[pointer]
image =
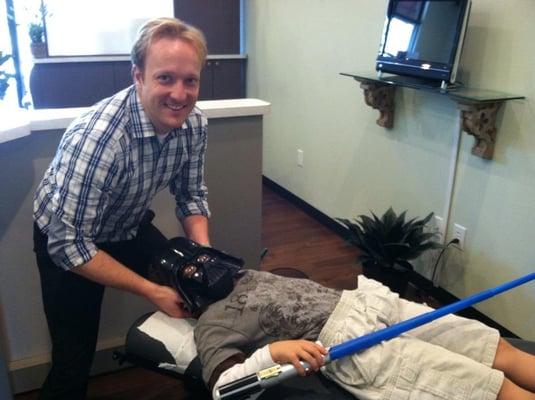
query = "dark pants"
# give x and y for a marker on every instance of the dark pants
(72, 308)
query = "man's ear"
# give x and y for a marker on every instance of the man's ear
(137, 75)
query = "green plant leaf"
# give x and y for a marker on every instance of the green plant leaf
(389, 217)
(367, 223)
(376, 218)
(405, 265)
(401, 217)
(428, 218)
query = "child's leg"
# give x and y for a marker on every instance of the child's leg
(511, 391)
(518, 366)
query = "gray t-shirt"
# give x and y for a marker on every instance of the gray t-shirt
(262, 308)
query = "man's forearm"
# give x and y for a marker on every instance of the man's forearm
(107, 271)
(196, 228)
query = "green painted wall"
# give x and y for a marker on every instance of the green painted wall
(296, 50)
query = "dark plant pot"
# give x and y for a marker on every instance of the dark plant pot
(395, 280)
(38, 50)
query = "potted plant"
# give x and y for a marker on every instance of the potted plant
(36, 30)
(388, 245)
(4, 76)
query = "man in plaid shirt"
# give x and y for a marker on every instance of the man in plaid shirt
(92, 220)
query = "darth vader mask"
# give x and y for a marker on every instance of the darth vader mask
(202, 275)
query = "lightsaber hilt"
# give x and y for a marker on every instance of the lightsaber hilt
(245, 387)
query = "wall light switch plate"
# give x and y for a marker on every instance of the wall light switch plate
(300, 157)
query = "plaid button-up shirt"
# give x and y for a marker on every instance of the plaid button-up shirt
(108, 167)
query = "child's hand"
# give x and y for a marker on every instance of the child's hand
(293, 351)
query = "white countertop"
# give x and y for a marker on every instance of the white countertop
(19, 123)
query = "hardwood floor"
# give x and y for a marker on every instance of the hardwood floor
(292, 239)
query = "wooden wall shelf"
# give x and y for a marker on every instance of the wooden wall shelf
(478, 108)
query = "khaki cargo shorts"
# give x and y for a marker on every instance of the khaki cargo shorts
(449, 358)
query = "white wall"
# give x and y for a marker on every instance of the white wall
(296, 50)
(496, 199)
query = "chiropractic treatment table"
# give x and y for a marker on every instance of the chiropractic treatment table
(166, 345)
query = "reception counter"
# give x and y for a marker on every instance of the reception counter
(17, 123)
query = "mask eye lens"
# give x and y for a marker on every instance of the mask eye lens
(203, 258)
(192, 273)
(189, 271)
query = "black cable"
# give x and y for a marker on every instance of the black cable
(452, 241)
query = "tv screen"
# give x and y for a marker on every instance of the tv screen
(423, 38)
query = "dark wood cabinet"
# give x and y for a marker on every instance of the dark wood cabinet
(77, 84)
(122, 74)
(82, 84)
(223, 79)
(220, 21)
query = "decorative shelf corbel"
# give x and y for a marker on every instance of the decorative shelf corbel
(380, 97)
(479, 120)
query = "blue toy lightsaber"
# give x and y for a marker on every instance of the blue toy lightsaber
(245, 387)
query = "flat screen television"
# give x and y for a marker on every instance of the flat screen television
(423, 39)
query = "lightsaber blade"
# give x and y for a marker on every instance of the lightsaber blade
(245, 387)
(363, 342)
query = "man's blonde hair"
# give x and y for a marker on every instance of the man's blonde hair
(174, 28)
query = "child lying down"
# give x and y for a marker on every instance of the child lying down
(249, 320)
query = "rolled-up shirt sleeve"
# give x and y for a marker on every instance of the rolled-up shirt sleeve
(189, 188)
(84, 169)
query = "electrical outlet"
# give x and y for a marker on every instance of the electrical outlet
(439, 224)
(300, 157)
(459, 233)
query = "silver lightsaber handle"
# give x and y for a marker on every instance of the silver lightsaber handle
(246, 387)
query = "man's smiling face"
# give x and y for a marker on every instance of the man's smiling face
(168, 86)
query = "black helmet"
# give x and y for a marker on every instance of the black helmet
(202, 275)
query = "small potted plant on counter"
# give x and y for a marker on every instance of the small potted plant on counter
(36, 30)
(388, 245)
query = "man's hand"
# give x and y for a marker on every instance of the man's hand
(104, 269)
(293, 351)
(168, 301)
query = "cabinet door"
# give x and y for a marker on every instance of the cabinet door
(122, 74)
(228, 79)
(57, 85)
(218, 19)
(207, 78)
